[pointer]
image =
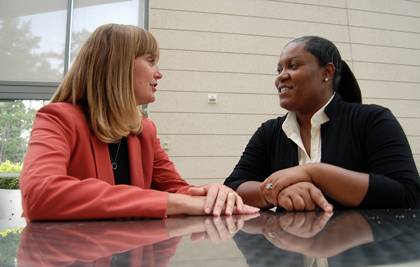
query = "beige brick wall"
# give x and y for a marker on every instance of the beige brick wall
(230, 48)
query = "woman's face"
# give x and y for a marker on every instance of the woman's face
(301, 80)
(146, 73)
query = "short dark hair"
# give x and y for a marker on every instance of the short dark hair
(326, 52)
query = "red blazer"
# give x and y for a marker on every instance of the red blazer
(67, 173)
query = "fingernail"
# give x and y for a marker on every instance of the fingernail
(207, 210)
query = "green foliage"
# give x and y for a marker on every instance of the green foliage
(9, 242)
(13, 171)
(9, 183)
(9, 166)
(15, 124)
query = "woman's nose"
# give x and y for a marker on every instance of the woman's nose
(158, 74)
(281, 77)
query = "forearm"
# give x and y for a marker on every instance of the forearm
(251, 195)
(345, 186)
(180, 204)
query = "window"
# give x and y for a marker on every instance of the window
(39, 39)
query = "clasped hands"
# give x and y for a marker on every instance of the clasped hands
(294, 190)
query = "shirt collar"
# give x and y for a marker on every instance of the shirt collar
(291, 127)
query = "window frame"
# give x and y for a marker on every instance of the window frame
(31, 90)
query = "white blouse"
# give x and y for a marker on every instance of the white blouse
(291, 128)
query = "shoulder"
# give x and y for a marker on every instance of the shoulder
(148, 128)
(366, 112)
(270, 129)
(63, 110)
(272, 125)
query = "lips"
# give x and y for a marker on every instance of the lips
(283, 88)
(154, 85)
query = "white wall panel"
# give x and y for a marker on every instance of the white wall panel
(253, 8)
(205, 167)
(330, 3)
(386, 54)
(411, 126)
(384, 38)
(390, 89)
(226, 103)
(225, 42)
(166, 19)
(402, 7)
(384, 21)
(400, 108)
(387, 72)
(205, 145)
(201, 81)
(414, 144)
(197, 123)
(221, 62)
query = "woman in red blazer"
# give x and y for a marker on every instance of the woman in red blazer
(92, 155)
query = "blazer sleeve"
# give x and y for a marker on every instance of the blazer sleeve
(165, 175)
(393, 176)
(254, 162)
(49, 193)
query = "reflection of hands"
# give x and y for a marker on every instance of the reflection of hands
(300, 224)
(301, 232)
(302, 196)
(221, 199)
(216, 229)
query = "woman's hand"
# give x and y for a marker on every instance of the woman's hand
(221, 199)
(302, 196)
(281, 179)
(181, 204)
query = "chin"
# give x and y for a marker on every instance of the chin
(285, 104)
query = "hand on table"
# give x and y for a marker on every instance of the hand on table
(292, 189)
(221, 200)
(302, 196)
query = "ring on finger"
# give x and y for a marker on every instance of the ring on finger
(269, 186)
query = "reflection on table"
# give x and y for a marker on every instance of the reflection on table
(118, 243)
(348, 238)
(345, 238)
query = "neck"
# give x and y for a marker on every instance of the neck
(304, 117)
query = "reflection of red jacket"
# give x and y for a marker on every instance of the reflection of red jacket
(146, 243)
(67, 172)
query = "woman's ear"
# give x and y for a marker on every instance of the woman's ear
(329, 72)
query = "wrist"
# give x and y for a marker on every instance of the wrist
(311, 170)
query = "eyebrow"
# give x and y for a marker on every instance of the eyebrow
(289, 59)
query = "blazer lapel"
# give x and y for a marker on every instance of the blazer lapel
(134, 154)
(102, 160)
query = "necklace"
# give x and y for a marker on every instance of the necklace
(114, 161)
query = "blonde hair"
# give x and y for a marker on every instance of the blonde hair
(100, 80)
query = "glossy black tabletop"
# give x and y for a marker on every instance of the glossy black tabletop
(345, 238)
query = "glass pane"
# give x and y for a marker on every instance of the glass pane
(16, 119)
(32, 35)
(88, 15)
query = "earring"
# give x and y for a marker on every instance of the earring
(326, 79)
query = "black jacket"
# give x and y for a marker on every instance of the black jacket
(363, 138)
